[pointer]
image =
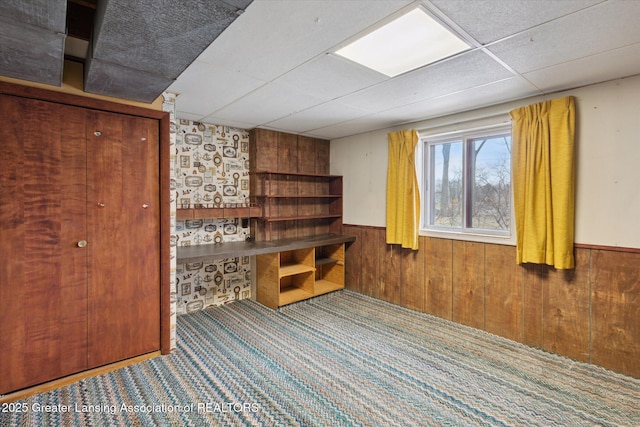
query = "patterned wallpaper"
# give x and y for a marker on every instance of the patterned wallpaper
(210, 168)
(168, 105)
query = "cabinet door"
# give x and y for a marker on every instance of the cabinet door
(43, 276)
(124, 236)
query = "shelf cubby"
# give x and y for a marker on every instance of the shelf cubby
(290, 276)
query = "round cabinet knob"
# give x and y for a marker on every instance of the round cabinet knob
(145, 206)
(82, 243)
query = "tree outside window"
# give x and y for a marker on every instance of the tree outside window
(469, 182)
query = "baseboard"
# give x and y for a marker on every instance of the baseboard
(61, 382)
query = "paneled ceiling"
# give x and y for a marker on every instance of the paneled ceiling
(274, 67)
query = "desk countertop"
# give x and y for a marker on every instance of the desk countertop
(198, 253)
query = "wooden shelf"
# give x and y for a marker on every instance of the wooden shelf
(292, 294)
(297, 198)
(291, 276)
(299, 218)
(216, 213)
(293, 269)
(301, 196)
(300, 174)
(323, 261)
(325, 286)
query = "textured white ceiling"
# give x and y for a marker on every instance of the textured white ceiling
(274, 67)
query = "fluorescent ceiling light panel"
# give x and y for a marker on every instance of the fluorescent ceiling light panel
(412, 41)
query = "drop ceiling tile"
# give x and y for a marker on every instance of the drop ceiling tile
(266, 104)
(204, 88)
(183, 115)
(329, 77)
(491, 20)
(459, 73)
(600, 28)
(480, 96)
(213, 120)
(258, 45)
(320, 116)
(353, 127)
(589, 70)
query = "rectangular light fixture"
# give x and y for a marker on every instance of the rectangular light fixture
(411, 41)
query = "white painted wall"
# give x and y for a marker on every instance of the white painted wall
(607, 157)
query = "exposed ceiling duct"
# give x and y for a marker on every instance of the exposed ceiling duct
(32, 35)
(139, 48)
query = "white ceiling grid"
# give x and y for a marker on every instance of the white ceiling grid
(274, 66)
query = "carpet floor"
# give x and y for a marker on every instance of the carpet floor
(342, 359)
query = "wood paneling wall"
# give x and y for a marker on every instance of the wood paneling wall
(590, 314)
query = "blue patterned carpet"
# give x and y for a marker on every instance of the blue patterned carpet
(342, 359)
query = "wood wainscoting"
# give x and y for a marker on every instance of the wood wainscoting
(589, 314)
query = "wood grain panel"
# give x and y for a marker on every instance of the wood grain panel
(142, 208)
(323, 165)
(555, 310)
(439, 276)
(412, 277)
(372, 241)
(263, 149)
(390, 273)
(263, 152)
(43, 280)
(566, 309)
(535, 279)
(287, 152)
(306, 155)
(468, 283)
(615, 311)
(307, 206)
(287, 162)
(13, 330)
(323, 158)
(124, 294)
(503, 292)
(268, 289)
(353, 260)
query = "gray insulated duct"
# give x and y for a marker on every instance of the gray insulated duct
(32, 35)
(139, 48)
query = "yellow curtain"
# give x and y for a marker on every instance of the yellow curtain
(543, 182)
(403, 198)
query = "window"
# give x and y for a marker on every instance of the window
(468, 182)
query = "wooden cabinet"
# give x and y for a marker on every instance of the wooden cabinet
(123, 214)
(80, 230)
(290, 276)
(43, 274)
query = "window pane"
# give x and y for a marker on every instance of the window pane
(446, 178)
(490, 182)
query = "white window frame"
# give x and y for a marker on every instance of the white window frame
(426, 196)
